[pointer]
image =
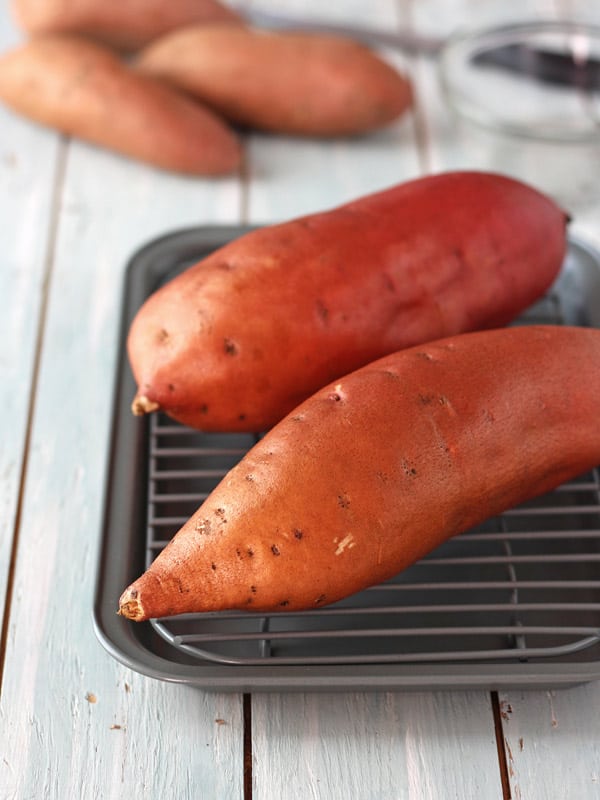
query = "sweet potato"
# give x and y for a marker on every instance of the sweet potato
(125, 24)
(376, 470)
(283, 82)
(239, 339)
(84, 90)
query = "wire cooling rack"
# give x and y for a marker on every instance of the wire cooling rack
(526, 585)
(514, 602)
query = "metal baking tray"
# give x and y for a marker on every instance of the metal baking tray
(512, 603)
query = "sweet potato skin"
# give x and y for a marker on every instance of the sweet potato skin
(83, 90)
(238, 340)
(292, 83)
(126, 25)
(376, 470)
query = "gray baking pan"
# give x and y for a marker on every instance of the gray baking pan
(513, 603)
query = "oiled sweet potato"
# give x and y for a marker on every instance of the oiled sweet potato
(238, 340)
(376, 470)
(84, 90)
(283, 82)
(126, 24)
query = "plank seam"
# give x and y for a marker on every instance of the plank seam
(247, 704)
(49, 259)
(421, 126)
(244, 183)
(499, 732)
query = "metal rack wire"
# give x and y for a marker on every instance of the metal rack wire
(523, 587)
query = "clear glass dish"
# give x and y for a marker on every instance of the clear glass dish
(537, 80)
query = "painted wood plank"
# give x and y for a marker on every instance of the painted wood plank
(74, 722)
(376, 746)
(552, 741)
(28, 172)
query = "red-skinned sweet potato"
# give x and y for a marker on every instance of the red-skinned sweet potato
(125, 24)
(238, 340)
(284, 82)
(84, 90)
(376, 470)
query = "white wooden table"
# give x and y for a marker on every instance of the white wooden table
(74, 723)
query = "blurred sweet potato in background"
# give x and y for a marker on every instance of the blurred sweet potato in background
(85, 90)
(283, 82)
(126, 24)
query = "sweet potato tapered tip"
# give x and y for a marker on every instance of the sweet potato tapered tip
(130, 607)
(151, 596)
(142, 405)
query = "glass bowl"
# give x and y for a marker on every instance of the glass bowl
(536, 80)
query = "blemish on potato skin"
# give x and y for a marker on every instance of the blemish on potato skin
(275, 550)
(444, 401)
(298, 534)
(346, 543)
(230, 347)
(488, 416)
(458, 254)
(203, 527)
(320, 599)
(284, 603)
(336, 395)
(408, 468)
(162, 336)
(322, 311)
(343, 501)
(389, 283)
(213, 566)
(426, 356)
